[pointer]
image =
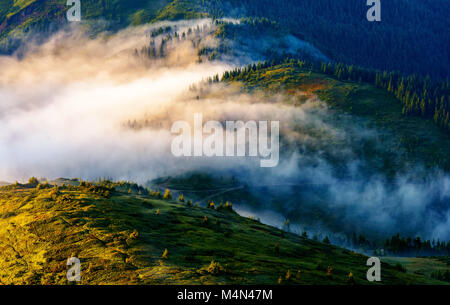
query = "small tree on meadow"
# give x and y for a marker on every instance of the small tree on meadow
(288, 275)
(33, 181)
(215, 267)
(229, 206)
(351, 279)
(167, 195)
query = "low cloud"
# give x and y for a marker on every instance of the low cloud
(82, 107)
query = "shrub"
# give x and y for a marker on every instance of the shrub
(54, 193)
(134, 234)
(215, 268)
(167, 195)
(329, 271)
(33, 181)
(189, 203)
(351, 279)
(229, 206)
(165, 254)
(288, 275)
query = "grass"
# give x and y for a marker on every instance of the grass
(121, 239)
(181, 9)
(420, 265)
(22, 3)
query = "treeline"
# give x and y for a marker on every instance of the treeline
(397, 245)
(249, 26)
(170, 38)
(393, 246)
(419, 96)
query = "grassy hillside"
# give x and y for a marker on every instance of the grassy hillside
(19, 18)
(405, 140)
(383, 141)
(435, 267)
(120, 237)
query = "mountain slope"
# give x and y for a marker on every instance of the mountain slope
(376, 107)
(352, 139)
(120, 237)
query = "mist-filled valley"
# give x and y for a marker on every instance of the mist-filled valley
(223, 142)
(77, 107)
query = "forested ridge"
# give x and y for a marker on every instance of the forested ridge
(413, 36)
(420, 96)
